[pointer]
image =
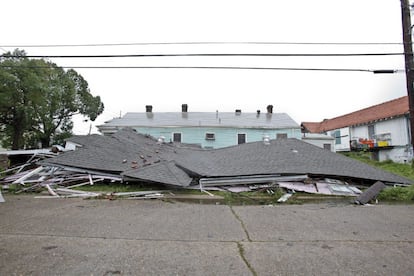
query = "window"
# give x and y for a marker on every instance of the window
(241, 138)
(371, 131)
(281, 136)
(177, 137)
(210, 136)
(327, 146)
(337, 135)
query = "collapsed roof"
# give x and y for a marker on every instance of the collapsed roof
(142, 158)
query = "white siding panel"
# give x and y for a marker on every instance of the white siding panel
(344, 139)
(359, 132)
(397, 127)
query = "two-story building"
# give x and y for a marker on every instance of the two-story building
(207, 129)
(383, 129)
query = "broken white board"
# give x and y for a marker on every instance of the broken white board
(298, 186)
(284, 198)
(1, 198)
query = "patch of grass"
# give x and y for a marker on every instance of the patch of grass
(261, 197)
(405, 170)
(118, 187)
(401, 194)
(397, 194)
(12, 188)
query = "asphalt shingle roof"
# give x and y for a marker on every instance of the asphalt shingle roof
(141, 157)
(164, 172)
(206, 119)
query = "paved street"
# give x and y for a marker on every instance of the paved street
(136, 237)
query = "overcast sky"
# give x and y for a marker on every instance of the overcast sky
(304, 95)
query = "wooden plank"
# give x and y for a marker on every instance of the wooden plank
(1, 198)
(284, 198)
(370, 193)
(26, 176)
(50, 190)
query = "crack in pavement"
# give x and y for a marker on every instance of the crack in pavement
(240, 246)
(241, 253)
(241, 222)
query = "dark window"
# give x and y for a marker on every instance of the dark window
(327, 146)
(371, 131)
(177, 137)
(281, 136)
(241, 138)
(210, 136)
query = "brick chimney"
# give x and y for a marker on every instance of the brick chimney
(184, 108)
(269, 108)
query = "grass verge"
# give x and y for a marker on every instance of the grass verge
(399, 194)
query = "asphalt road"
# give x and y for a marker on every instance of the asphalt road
(136, 237)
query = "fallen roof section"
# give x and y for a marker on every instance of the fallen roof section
(138, 157)
(165, 172)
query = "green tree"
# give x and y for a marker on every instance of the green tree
(38, 100)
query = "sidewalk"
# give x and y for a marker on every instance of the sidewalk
(140, 237)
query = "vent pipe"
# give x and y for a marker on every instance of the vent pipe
(266, 140)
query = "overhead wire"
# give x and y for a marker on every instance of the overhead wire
(217, 67)
(211, 55)
(197, 43)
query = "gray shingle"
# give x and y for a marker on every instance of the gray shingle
(282, 156)
(206, 119)
(142, 157)
(163, 172)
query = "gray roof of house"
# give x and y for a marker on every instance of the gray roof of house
(165, 172)
(316, 136)
(140, 157)
(204, 119)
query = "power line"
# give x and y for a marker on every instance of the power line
(196, 43)
(210, 55)
(216, 68)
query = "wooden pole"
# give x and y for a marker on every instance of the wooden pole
(409, 68)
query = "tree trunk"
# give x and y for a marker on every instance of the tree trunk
(17, 137)
(45, 141)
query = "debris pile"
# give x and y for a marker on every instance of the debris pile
(127, 156)
(62, 183)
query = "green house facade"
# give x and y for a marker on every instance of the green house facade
(207, 129)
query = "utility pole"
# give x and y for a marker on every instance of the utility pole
(409, 68)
